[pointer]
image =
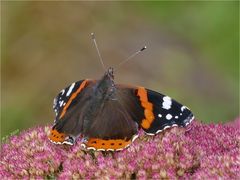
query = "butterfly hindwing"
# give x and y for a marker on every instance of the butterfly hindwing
(113, 119)
(114, 125)
(161, 111)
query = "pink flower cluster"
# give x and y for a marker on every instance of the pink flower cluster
(199, 152)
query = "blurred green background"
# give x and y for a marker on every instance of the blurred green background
(192, 55)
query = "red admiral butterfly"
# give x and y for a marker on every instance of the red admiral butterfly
(109, 115)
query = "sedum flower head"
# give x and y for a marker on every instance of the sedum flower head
(202, 151)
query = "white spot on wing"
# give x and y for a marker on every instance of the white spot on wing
(61, 103)
(70, 89)
(54, 102)
(176, 117)
(110, 150)
(55, 142)
(150, 134)
(168, 116)
(119, 149)
(62, 91)
(166, 98)
(159, 131)
(182, 108)
(167, 102)
(92, 148)
(159, 115)
(134, 138)
(100, 149)
(127, 146)
(67, 142)
(166, 127)
(191, 119)
(83, 145)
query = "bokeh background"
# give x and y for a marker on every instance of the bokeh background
(192, 55)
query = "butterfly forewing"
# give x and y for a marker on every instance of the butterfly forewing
(162, 112)
(65, 106)
(64, 96)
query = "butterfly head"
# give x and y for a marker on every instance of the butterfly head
(106, 85)
(110, 74)
(108, 78)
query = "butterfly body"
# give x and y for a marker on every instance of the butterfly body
(109, 115)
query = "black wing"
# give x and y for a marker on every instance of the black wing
(161, 111)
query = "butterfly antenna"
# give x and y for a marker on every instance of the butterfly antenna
(130, 57)
(99, 55)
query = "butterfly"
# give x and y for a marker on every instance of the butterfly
(108, 115)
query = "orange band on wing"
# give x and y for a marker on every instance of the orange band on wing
(74, 95)
(56, 136)
(148, 108)
(112, 144)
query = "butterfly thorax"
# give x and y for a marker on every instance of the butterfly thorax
(106, 88)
